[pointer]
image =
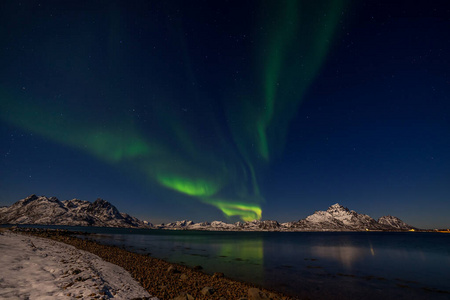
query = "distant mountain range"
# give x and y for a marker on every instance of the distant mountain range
(335, 218)
(50, 211)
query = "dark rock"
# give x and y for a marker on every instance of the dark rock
(207, 291)
(257, 294)
(184, 296)
(218, 275)
(183, 277)
(273, 296)
(172, 270)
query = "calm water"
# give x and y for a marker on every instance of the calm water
(365, 265)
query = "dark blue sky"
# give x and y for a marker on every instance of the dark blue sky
(202, 110)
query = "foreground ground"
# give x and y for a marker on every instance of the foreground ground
(38, 268)
(45, 268)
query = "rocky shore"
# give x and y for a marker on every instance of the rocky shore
(163, 279)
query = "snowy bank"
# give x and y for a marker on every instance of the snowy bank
(38, 268)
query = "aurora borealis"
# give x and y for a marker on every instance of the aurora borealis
(232, 110)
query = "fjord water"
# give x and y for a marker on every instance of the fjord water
(307, 265)
(316, 265)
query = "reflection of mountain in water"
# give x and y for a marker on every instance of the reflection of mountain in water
(314, 265)
(345, 255)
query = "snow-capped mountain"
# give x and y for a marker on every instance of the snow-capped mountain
(50, 211)
(335, 218)
(75, 212)
(338, 217)
(393, 222)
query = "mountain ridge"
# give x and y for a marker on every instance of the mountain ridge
(51, 211)
(41, 210)
(335, 218)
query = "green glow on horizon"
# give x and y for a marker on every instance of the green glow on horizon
(280, 40)
(191, 187)
(118, 143)
(113, 147)
(247, 212)
(296, 47)
(199, 156)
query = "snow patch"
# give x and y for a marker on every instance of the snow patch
(37, 268)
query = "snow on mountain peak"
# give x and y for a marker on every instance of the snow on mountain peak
(337, 208)
(50, 211)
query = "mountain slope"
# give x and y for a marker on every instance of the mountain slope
(394, 222)
(50, 211)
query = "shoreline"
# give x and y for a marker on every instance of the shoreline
(160, 278)
(38, 268)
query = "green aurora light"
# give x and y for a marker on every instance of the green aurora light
(226, 171)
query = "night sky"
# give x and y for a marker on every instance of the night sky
(229, 110)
